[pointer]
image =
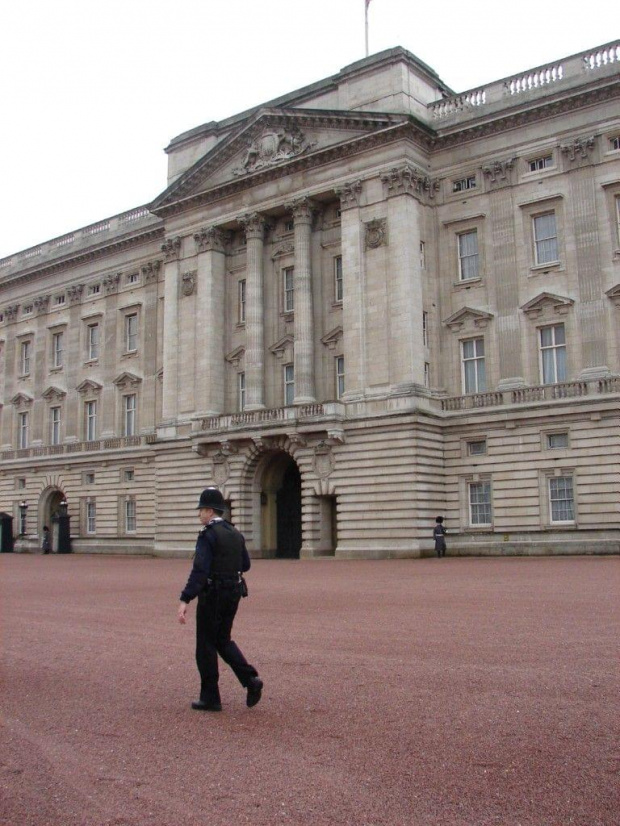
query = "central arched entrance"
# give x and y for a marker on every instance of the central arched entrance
(280, 498)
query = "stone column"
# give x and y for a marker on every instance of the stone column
(110, 425)
(210, 309)
(305, 392)
(148, 402)
(254, 226)
(170, 404)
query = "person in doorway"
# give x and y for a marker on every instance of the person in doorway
(216, 579)
(439, 535)
(46, 545)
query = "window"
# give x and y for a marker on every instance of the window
(23, 512)
(541, 163)
(614, 143)
(477, 448)
(132, 278)
(128, 474)
(617, 199)
(289, 226)
(425, 328)
(23, 423)
(545, 238)
(422, 255)
(561, 500)
(556, 441)
(130, 515)
(25, 353)
(131, 333)
(129, 415)
(91, 517)
(289, 384)
(241, 299)
(59, 300)
(464, 184)
(479, 503)
(89, 478)
(427, 374)
(241, 391)
(94, 289)
(339, 376)
(27, 310)
(288, 281)
(468, 255)
(57, 350)
(474, 375)
(338, 277)
(55, 425)
(92, 342)
(21, 483)
(90, 421)
(553, 354)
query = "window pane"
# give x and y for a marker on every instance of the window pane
(561, 498)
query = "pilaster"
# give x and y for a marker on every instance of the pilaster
(254, 225)
(171, 250)
(305, 391)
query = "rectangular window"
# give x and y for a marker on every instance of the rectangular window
(57, 349)
(561, 499)
(425, 328)
(129, 415)
(132, 278)
(427, 374)
(556, 441)
(59, 300)
(288, 285)
(130, 515)
(541, 163)
(553, 354)
(91, 517)
(473, 368)
(28, 308)
(422, 255)
(241, 391)
(614, 142)
(339, 376)
(241, 297)
(128, 475)
(25, 353)
(479, 503)
(89, 478)
(92, 342)
(545, 238)
(131, 333)
(289, 226)
(289, 384)
(618, 219)
(464, 184)
(338, 292)
(22, 521)
(90, 421)
(55, 425)
(477, 448)
(468, 255)
(23, 424)
(94, 289)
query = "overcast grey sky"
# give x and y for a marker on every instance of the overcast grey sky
(92, 92)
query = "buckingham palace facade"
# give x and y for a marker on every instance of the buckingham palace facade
(355, 307)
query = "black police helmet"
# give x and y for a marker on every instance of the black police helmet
(212, 498)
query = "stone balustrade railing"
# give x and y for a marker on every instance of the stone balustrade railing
(535, 81)
(253, 418)
(115, 443)
(529, 395)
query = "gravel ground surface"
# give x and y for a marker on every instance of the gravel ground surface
(452, 692)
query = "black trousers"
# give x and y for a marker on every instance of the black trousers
(217, 607)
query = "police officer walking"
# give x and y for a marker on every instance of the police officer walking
(216, 579)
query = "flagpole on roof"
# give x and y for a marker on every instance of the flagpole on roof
(366, 4)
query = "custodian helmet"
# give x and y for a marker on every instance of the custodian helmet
(212, 498)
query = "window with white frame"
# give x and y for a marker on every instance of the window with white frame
(614, 143)
(241, 391)
(473, 366)
(128, 474)
(617, 200)
(289, 384)
(92, 341)
(131, 332)
(544, 162)
(129, 415)
(477, 447)
(557, 441)
(561, 499)
(463, 184)
(552, 354)
(241, 300)
(132, 278)
(23, 426)
(25, 355)
(89, 478)
(91, 517)
(94, 289)
(130, 515)
(427, 374)
(90, 421)
(28, 309)
(425, 328)
(57, 349)
(288, 286)
(468, 255)
(480, 512)
(338, 291)
(339, 376)
(55, 425)
(422, 255)
(59, 300)
(545, 238)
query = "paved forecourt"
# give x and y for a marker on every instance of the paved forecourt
(452, 692)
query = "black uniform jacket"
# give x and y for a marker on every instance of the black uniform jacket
(206, 547)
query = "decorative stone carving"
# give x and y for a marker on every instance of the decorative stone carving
(188, 282)
(11, 312)
(467, 315)
(227, 448)
(254, 225)
(349, 194)
(221, 469)
(284, 249)
(297, 440)
(74, 293)
(579, 149)
(282, 346)
(21, 401)
(375, 233)
(614, 295)
(235, 356)
(499, 173)
(408, 179)
(53, 394)
(211, 239)
(323, 461)
(171, 248)
(536, 307)
(111, 282)
(41, 304)
(303, 210)
(150, 271)
(271, 147)
(89, 387)
(332, 338)
(127, 380)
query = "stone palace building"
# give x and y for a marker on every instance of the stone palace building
(353, 308)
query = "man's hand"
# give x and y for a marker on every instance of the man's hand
(182, 613)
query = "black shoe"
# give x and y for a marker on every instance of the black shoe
(255, 690)
(202, 705)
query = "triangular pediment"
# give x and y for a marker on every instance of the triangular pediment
(127, 379)
(21, 400)
(614, 294)
(89, 386)
(271, 140)
(281, 346)
(468, 315)
(332, 338)
(53, 394)
(235, 356)
(537, 305)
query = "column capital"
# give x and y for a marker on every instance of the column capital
(303, 209)
(210, 239)
(41, 303)
(408, 179)
(150, 271)
(349, 194)
(171, 248)
(254, 225)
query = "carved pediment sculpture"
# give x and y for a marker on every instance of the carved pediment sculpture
(558, 304)
(375, 233)
(188, 282)
(272, 147)
(468, 315)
